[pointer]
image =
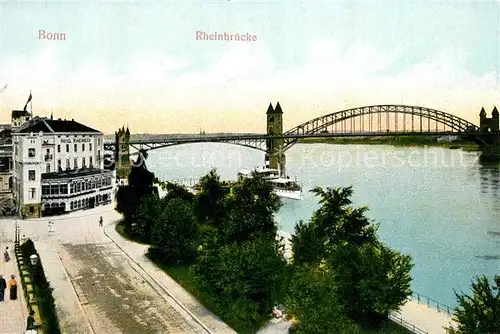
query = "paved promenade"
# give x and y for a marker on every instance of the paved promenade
(97, 287)
(137, 251)
(424, 317)
(13, 313)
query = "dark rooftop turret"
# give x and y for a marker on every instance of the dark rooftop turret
(270, 109)
(278, 110)
(494, 113)
(483, 112)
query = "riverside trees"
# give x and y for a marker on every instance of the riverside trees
(339, 253)
(479, 313)
(224, 243)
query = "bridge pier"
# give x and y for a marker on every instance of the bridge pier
(275, 156)
(122, 153)
(489, 135)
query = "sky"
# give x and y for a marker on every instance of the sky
(138, 63)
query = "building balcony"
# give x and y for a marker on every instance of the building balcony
(48, 157)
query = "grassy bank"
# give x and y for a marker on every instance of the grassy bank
(407, 141)
(184, 276)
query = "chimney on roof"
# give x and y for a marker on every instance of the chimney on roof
(72, 120)
(52, 116)
(58, 119)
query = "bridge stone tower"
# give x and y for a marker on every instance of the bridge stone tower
(275, 157)
(489, 134)
(122, 153)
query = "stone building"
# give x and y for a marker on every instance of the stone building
(58, 168)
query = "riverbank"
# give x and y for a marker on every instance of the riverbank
(407, 141)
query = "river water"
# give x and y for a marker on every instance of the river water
(439, 205)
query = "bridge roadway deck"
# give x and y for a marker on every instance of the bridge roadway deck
(161, 138)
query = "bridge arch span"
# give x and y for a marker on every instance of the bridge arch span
(321, 124)
(149, 147)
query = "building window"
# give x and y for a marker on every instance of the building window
(67, 164)
(58, 148)
(90, 161)
(90, 147)
(31, 152)
(47, 168)
(67, 147)
(63, 189)
(83, 162)
(54, 189)
(59, 165)
(45, 190)
(75, 163)
(83, 147)
(32, 193)
(76, 147)
(98, 141)
(31, 175)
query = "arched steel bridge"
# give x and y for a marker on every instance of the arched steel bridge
(369, 121)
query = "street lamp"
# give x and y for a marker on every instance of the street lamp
(34, 259)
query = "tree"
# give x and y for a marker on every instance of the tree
(338, 220)
(333, 223)
(370, 281)
(480, 312)
(178, 191)
(311, 300)
(308, 244)
(140, 185)
(174, 234)
(210, 201)
(144, 218)
(253, 271)
(251, 205)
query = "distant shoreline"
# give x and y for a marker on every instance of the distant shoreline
(396, 141)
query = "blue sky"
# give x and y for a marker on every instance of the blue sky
(139, 63)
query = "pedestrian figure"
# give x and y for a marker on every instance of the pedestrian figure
(100, 222)
(13, 287)
(6, 256)
(30, 321)
(50, 227)
(3, 286)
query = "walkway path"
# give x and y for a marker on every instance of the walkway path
(136, 252)
(13, 313)
(97, 287)
(424, 317)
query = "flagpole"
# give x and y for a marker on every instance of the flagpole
(31, 105)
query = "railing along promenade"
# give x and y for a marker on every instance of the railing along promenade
(440, 307)
(400, 321)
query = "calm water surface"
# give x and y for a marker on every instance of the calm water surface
(441, 206)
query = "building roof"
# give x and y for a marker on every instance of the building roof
(19, 113)
(55, 126)
(73, 173)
